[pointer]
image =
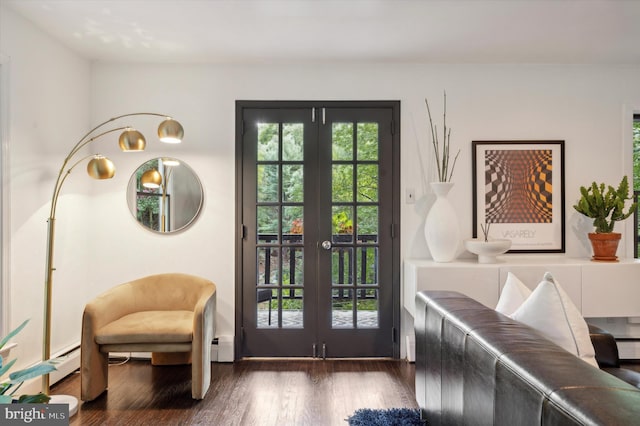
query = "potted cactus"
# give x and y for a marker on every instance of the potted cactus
(606, 206)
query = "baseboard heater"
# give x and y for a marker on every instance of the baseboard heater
(629, 349)
(67, 362)
(221, 351)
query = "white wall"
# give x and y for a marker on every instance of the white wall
(55, 96)
(49, 93)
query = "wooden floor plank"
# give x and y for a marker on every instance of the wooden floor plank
(246, 393)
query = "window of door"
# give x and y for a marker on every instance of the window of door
(318, 208)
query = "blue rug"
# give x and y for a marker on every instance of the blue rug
(391, 417)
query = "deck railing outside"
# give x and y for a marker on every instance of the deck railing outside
(344, 250)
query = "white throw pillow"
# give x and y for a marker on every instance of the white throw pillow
(550, 311)
(513, 294)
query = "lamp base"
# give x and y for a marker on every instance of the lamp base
(72, 401)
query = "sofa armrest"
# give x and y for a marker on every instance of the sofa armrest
(605, 347)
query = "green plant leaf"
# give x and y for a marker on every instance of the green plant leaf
(13, 333)
(7, 366)
(5, 399)
(34, 399)
(4, 387)
(31, 372)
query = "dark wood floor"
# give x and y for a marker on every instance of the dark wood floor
(255, 392)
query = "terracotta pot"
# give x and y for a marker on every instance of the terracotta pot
(605, 246)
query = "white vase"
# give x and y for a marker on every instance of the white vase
(441, 228)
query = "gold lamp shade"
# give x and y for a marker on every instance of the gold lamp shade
(151, 179)
(132, 140)
(170, 131)
(100, 167)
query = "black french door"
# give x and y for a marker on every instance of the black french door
(318, 213)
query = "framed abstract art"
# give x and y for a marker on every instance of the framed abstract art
(518, 190)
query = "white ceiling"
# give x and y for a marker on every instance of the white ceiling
(299, 31)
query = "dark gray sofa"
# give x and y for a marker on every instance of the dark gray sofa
(475, 366)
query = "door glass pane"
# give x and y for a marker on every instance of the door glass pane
(267, 183)
(342, 265)
(367, 308)
(367, 141)
(368, 183)
(342, 183)
(267, 307)
(342, 308)
(292, 308)
(292, 142)
(268, 224)
(342, 141)
(272, 298)
(293, 183)
(342, 224)
(268, 269)
(292, 224)
(367, 265)
(268, 141)
(367, 224)
(293, 266)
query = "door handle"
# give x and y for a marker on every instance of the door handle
(326, 244)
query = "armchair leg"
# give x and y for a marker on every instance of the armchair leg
(94, 374)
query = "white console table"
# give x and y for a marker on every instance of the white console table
(598, 289)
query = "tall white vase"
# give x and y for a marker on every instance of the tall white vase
(441, 228)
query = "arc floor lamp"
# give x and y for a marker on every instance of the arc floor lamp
(99, 167)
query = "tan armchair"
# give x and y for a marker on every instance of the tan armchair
(170, 315)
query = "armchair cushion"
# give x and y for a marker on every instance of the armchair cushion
(148, 327)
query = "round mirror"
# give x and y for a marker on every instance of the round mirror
(165, 195)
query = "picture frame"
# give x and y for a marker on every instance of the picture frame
(518, 189)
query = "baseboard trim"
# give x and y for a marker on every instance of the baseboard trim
(65, 365)
(68, 362)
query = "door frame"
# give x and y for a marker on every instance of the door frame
(395, 231)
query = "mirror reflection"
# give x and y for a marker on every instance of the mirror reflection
(165, 195)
